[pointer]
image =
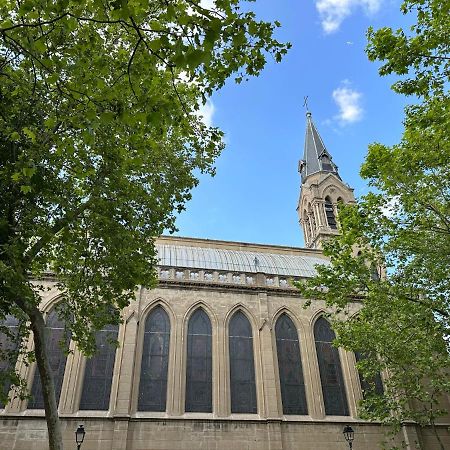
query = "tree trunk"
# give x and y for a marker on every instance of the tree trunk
(48, 387)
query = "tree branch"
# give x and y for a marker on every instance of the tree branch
(57, 227)
(37, 24)
(130, 62)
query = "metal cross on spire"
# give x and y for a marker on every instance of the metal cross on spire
(305, 103)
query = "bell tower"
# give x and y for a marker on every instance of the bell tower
(321, 190)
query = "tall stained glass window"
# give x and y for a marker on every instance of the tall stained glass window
(99, 371)
(9, 344)
(55, 334)
(242, 365)
(199, 364)
(155, 362)
(290, 367)
(331, 378)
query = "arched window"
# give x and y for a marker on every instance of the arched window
(9, 346)
(312, 220)
(290, 367)
(374, 272)
(331, 378)
(199, 364)
(99, 371)
(329, 211)
(306, 225)
(55, 335)
(242, 365)
(155, 362)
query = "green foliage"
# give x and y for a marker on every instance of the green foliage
(421, 53)
(100, 139)
(393, 253)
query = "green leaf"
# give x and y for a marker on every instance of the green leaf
(16, 176)
(71, 23)
(195, 58)
(91, 114)
(107, 117)
(29, 171)
(53, 78)
(40, 46)
(155, 45)
(50, 122)
(30, 134)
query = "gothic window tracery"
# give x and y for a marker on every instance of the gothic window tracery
(57, 341)
(290, 367)
(242, 365)
(332, 381)
(98, 372)
(199, 363)
(155, 362)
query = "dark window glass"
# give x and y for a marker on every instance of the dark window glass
(155, 362)
(242, 365)
(329, 211)
(306, 228)
(99, 371)
(199, 364)
(10, 345)
(290, 367)
(57, 341)
(374, 385)
(331, 378)
(375, 275)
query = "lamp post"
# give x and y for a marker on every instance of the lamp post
(349, 435)
(79, 436)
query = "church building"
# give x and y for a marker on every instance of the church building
(221, 355)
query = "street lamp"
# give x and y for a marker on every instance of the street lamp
(349, 435)
(79, 436)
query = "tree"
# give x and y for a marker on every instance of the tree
(100, 141)
(400, 274)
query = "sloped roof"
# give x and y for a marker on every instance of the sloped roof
(237, 260)
(314, 152)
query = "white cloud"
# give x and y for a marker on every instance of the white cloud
(206, 113)
(208, 4)
(333, 12)
(392, 207)
(349, 102)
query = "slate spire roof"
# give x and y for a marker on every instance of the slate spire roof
(316, 157)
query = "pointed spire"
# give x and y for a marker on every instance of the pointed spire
(316, 157)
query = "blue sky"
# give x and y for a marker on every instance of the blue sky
(254, 195)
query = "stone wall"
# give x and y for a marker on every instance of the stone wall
(171, 434)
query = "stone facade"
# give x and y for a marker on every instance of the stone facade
(262, 302)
